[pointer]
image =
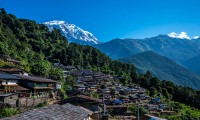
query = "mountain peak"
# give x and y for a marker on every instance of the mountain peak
(55, 22)
(72, 32)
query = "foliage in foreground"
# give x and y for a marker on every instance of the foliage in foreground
(7, 112)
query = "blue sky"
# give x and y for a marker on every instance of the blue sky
(109, 19)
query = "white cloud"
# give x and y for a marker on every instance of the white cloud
(182, 35)
(196, 37)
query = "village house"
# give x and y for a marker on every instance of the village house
(87, 72)
(12, 70)
(9, 60)
(152, 107)
(117, 84)
(92, 88)
(39, 86)
(92, 104)
(80, 87)
(9, 84)
(67, 70)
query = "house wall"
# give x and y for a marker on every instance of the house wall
(35, 84)
(11, 100)
(9, 82)
(28, 102)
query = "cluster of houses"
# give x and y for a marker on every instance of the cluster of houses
(155, 105)
(112, 98)
(112, 95)
(107, 87)
(16, 84)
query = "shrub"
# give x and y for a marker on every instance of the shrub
(7, 112)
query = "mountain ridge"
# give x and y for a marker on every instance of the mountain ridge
(174, 48)
(72, 32)
(163, 68)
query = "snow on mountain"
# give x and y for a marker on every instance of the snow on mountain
(73, 33)
(182, 35)
(196, 37)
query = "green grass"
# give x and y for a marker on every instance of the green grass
(184, 112)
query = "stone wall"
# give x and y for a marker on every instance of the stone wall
(29, 102)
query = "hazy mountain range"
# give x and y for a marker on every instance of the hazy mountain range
(177, 49)
(164, 68)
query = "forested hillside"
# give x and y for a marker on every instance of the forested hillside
(37, 48)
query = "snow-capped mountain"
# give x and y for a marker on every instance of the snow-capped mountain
(73, 33)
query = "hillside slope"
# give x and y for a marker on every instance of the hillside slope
(163, 68)
(193, 64)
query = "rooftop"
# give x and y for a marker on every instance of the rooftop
(8, 76)
(10, 70)
(34, 79)
(17, 87)
(81, 99)
(6, 94)
(54, 112)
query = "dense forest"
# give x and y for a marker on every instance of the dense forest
(38, 48)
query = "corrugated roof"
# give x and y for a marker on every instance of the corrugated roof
(34, 79)
(8, 76)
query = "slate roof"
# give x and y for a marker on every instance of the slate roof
(81, 99)
(54, 112)
(6, 76)
(34, 79)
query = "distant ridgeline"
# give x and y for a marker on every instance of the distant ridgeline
(37, 47)
(164, 68)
